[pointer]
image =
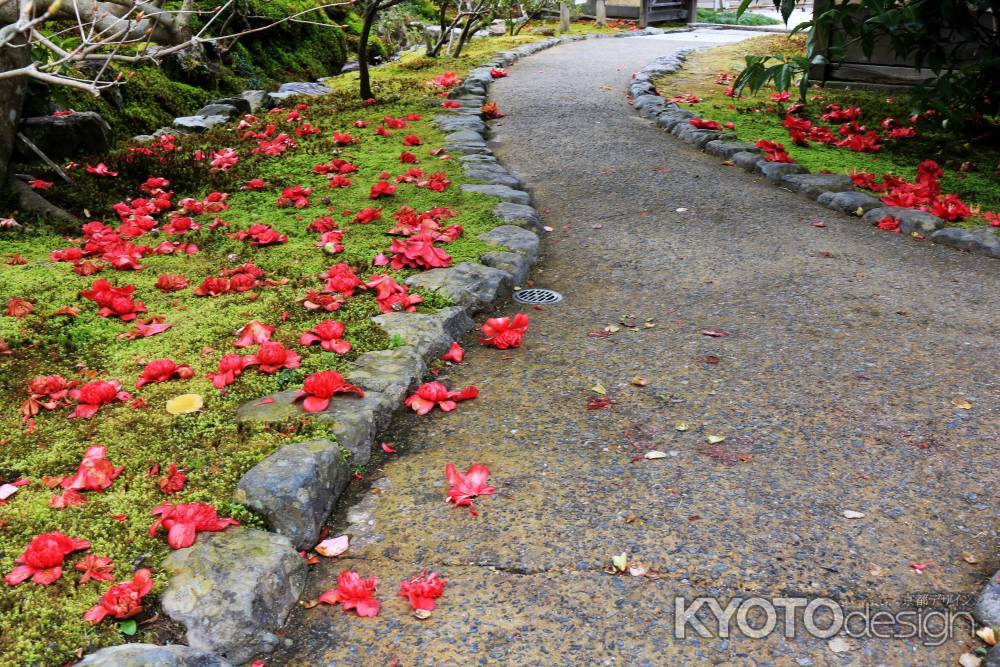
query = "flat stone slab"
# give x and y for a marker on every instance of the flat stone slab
(310, 88)
(747, 161)
(472, 286)
(502, 191)
(513, 263)
(813, 185)
(429, 334)
(389, 372)
(910, 220)
(495, 177)
(849, 202)
(353, 420)
(673, 117)
(521, 215)
(464, 137)
(727, 149)
(232, 589)
(216, 109)
(152, 655)
(461, 122)
(775, 171)
(199, 123)
(296, 488)
(981, 240)
(513, 238)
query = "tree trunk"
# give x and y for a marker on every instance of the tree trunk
(363, 75)
(563, 17)
(466, 35)
(14, 55)
(602, 12)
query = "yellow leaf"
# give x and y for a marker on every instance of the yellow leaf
(682, 426)
(961, 403)
(612, 328)
(620, 562)
(969, 558)
(655, 454)
(715, 439)
(859, 212)
(599, 389)
(185, 403)
(987, 634)
(639, 381)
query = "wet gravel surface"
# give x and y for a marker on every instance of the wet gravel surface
(838, 388)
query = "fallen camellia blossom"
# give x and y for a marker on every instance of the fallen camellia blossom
(171, 282)
(173, 480)
(464, 488)
(418, 252)
(391, 296)
(272, 357)
(319, 388)
(333, 546)
(253, 333)
(354, 592)
(43, 558)
(91, 396)
(47, 391)
(503, 332)
(432, 394)
(67, 498)
(382, 189)
(454, 354)
(230, 368)
(341, 279)
(184, 522)
(95, 567)
(421, 591)
(95, 472)
(329, 334)
(161, 370)
(122, 600)
(18, 308)
(114, 300)
(498, 73)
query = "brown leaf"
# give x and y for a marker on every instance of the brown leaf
(711, 359)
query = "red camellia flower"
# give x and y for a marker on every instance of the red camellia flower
(391, 296)
(46, 391)
(95, 473)
(367, 215)
(382, 189)
(260, 235)
(67, 498)
(212, 286)
(230, 368)
(340, 278)
(446, 80)
(161, 370)
(498, 73)
(171, 282)
(114, 300)
(407, 157)
(319, 388)
(464, 488)
(18, 308)
(454, 354)
(295, 196)
(95, 567)
(783, 96)
(173, 480)
(122, 600)
(889, 224)
(343, 139)
(329, 334)
(354, 592)
(503, 333)
(418, 252)
(184, 522)
(91, 396)
(432, 394)
(421, 591)
(101, 170)
(255, 184)
(272, 357)
(951, 208)
(253, 333)
(43, 559)
(412, 140)
(314, 300)
(774, 151)
(449, 104)
(704, 124)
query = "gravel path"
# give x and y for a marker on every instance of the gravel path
(848, 350)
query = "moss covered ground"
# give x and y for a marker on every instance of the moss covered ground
(43, 624)
(970, 166)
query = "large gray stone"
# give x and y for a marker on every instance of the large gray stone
(910, 220)
(243, 104)
(231, 590)
(199, 123)
(295, 489)
(673, 117)
(258, 99)
(151, 655)
(462, 122)
(695, 136)
(59, 137)
(649, 105)
(495, 176)
(308, 88)
(981, 240)
(813, 185)
(993, 657)
(747, 161)
(215, 109)
(430, 334)
(987, 609)
(389, 372)
(519, 214)
(502, 191)
(353, 420)
(513, 238)
(775, 171)
(469, 149)
(727, 149)
(848, 202)
(513, 263)
(477, 161)
(464, 137)
(472, 286)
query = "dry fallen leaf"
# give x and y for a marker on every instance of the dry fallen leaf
(961, 404)
(612, 328)
(839, 645)
(970, 660)
(333, 546)
(988, 635)
(185, 403)
(639, 381)
(422, 614)
(851, 514)
(969, 558)
(308, 604)
(599, 389)
(682, 426)
(715, 439)
(620, 562)
(877, 571)
(655, 454)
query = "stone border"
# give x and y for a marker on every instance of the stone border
(834, 191)
(233, 589)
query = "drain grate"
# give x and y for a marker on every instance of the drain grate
(535, 295)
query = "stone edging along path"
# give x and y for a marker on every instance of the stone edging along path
(834, 191)
(233, 590)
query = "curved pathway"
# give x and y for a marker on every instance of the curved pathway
(835, 391)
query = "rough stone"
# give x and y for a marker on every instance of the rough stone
(199, 123)
(519, 214)
(461, 122)
(987, 609)
(231, 590)
(502, 191)
(848, 202)
(494, 176)
(464, 137)
(354, 420)
(813, 185)
(649, 105)
(673, 117)
(692, 135)
(470, 285)
(295, 489)
(469, 149)
(151, 655)
(477, 160)
(429, 334)
(981, 240)
(242, 104)
(389, 372)
(513, 238)
(993, 657)
(910, 220)
(79, 133)
(258, 99)
(727, 149)
(215, 109)
(309, 88)
(775, 171)
(513, 263)
(747, 161)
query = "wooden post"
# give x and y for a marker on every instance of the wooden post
(602, 12)
(643, 21)
(563, 17)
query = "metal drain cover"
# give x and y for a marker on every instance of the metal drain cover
(536, 295)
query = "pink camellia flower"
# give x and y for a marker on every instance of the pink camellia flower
(42, 560)
(184, 522)
(454, 354)
(295, 196)
(432, 394)
(421, 591)
(319, 388)
(95, 473)
(161, 370)
(340, 278)
(260, 235)
(91, 396)
(230, 368)
(446, 80)
(67, 498)
(503, 333)
(354, 592)
(95, 567)
(382, 189)
(224, 159)
(329, 334)
(464, 488)
(122, 600)
(254, 333)
(391, 296)
(101, 170)
(418, 252)
(272, 357)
